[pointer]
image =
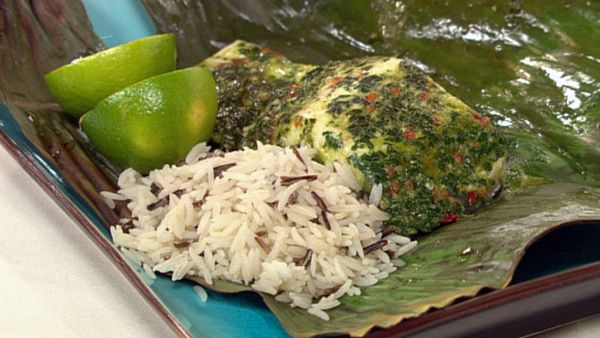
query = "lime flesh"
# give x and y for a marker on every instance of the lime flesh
(80, 85)
(155, 121)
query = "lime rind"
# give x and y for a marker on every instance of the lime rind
(80, 85)
(155, 121)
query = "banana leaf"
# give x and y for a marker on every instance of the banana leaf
(533, 67)
(36, 37)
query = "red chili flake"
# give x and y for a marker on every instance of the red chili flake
(298, 122)
(424, 96)
(459, 158)
(372, 97)
(391, 171)
(449, 218)
(410, 135)
(292, 92)
(224, 64)
(429, 84)
(484, 122)
(395, 186)
(265, 50)
(335, 80)
(476, 145)
(471, 197)
(436, 121)
(409, 185)
(389, 192)
(395, 90)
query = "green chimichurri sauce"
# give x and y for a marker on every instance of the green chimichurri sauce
(434, 157)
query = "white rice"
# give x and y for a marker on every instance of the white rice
(376, 194)
(248, 217)
(202, 294)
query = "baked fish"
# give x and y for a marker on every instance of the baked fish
(424, 154)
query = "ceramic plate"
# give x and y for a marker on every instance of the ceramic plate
(551, 287)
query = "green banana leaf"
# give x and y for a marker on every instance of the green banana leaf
(533, 66)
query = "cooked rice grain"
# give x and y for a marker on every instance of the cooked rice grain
(232, 217)
(202, 294)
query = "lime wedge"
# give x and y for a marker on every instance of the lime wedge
(80, 85)
(155, 121)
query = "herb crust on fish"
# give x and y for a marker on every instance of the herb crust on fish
(435, 157)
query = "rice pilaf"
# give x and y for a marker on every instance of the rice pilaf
(271, 218)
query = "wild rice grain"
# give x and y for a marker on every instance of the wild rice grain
(325, 220)
(163, 202)
(307, 258)
(375, 246)
(387, 231)
(181, 245)
(289, 180)
(297, 154)
(319, 201)
(155, 189)
(219, 170)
